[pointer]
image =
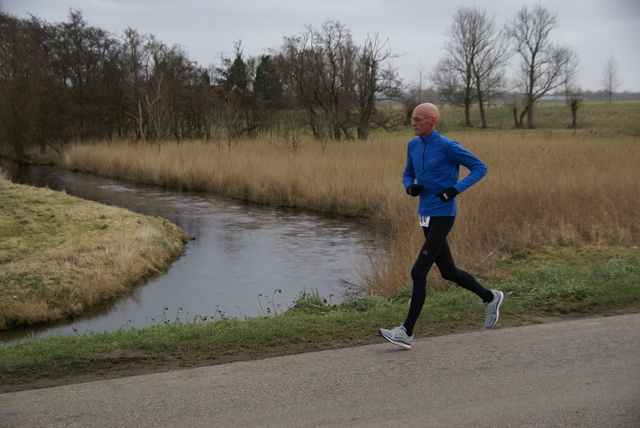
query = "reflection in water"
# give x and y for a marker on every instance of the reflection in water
(246, 260)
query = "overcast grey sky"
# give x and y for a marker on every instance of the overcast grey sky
(416, 29)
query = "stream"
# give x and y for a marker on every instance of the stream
(246, 260)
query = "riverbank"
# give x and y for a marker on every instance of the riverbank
(543, 286)
(61, 255)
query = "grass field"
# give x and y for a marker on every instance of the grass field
(551, 117)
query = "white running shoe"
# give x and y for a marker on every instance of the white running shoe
(493, 309)
(397, 336)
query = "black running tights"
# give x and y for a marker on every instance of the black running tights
(436, 250)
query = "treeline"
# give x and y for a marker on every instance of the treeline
(71, 81)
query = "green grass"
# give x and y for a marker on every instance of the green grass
(557, 282)
(594, 118)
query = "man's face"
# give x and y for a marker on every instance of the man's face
(422, 123)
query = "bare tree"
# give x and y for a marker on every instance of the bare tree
(158, 108)
(135, 60)
(491, 54)
(72, 81)
(319, 69)
(335, 60)
(230, 114)
(460, 52)
(239, 99)
(570, 69)
(419, 86)
(543, 65)
(451, 85)
(395, 91)
(575, 97)
(84, 59)
(18, 77)
(33, 111)
(474, 66)
(610, 77)
(371, 81)
(290, 131)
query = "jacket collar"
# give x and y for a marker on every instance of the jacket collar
(431, 137)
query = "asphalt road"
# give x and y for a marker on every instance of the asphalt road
(579, 373)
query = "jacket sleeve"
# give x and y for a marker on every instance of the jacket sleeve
(477, 169)
(409, 174)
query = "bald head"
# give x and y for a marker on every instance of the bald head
(424, 119)
(427, 109)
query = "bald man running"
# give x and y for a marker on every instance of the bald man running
(432, 172)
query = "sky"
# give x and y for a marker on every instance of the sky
(416, 30)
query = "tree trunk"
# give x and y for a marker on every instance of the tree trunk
(529, 111)
(467, 114)
(483, 120)
(574, 114)
(522, 115)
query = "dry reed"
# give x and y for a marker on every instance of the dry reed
(540, 190)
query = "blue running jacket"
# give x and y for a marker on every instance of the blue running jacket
(434, 162)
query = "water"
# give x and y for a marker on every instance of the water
(246, 260)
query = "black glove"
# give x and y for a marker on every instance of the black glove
(414, 189)
(447, 194)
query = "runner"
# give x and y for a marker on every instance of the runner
(432, 172)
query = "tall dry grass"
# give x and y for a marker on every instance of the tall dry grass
(344, 178)
(540, 190)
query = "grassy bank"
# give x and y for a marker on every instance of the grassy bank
(60, 254)
(540, 286)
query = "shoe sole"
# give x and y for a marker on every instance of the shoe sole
(395, 342)
(501, 299)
